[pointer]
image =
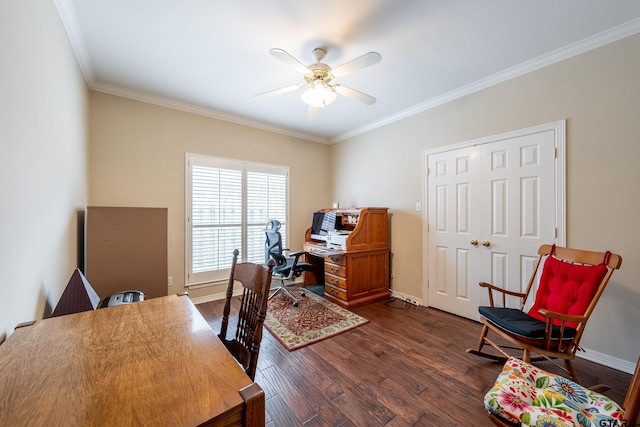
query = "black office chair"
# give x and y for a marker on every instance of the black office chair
(286, 268)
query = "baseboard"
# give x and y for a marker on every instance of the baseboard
(222, 295)
(213, 297)
(406, 298)
(236, 292)
(606, 360)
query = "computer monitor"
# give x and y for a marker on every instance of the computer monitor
(323, 223)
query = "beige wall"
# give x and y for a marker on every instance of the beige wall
(137, 158)
(43, 117)
(598, 93)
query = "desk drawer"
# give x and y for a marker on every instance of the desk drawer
(336, 292)
(338, 270)
(335, 280)
(337, 259)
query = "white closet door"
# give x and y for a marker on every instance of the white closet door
(455, 217)
(490, 207)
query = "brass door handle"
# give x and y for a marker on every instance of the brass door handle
(474, 242)
(486, 243)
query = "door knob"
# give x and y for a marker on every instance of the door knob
(486, 243)
(474, 242)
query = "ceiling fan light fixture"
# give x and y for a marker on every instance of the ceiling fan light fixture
(320, 95)
(318, 78)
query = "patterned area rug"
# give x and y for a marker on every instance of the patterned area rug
(314, 319)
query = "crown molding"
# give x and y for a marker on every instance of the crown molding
(72, 27)
(614, 34)
(195, 109)
(68, 16)
(70, 22)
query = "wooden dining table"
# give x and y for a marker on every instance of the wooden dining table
(150, 363)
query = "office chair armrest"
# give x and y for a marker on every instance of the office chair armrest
(296, 257)
(504, 293)
(297, 254)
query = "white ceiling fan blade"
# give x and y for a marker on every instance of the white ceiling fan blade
(354, 94)
(285, 57)
(279, 91)
(360, 62)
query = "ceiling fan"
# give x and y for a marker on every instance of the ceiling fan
(319, 78)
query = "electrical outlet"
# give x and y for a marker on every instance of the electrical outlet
(411, 301)
(169, 281)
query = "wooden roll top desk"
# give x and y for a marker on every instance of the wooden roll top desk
(357, 274)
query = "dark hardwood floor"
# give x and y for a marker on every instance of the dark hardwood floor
(406, 367)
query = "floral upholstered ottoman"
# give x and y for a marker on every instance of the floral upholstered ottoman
(532, 397)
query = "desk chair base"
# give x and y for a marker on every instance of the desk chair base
(283, 288)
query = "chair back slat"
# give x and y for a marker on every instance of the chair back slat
(256, 281)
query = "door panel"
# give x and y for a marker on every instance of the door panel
(452, 208)
(462, 275)
(490, 206)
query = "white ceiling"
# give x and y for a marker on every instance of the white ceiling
(212, 56)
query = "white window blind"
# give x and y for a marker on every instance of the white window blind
(229, 202)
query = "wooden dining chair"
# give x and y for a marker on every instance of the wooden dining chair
(255, 280)
(571, 283)
(524, 395)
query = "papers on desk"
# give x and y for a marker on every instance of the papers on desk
(338, 239)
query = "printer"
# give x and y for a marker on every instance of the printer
(337, 239)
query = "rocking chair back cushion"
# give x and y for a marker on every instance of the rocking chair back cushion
(566, 288)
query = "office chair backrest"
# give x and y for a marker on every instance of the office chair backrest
(273, 244)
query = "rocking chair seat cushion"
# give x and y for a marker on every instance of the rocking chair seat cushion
(520, 323)
(533, 397)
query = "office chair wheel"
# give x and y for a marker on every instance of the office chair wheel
(295, 303)
(302, 294)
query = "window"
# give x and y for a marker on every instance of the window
(228, 204)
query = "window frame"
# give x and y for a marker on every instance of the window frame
(212, 277)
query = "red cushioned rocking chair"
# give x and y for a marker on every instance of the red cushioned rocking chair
(571, 283)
